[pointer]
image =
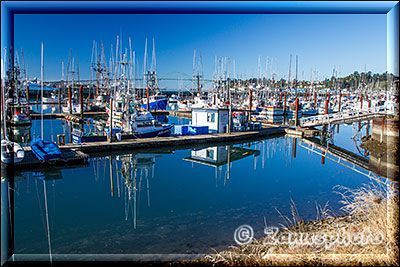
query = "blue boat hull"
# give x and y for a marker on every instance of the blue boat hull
(157, 105)
(45, 149)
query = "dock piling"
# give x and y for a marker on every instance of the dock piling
(315, 100)
(70, 99)
(81, 99)
(111, 121)
(296, 121)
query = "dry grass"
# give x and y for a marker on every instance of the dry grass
(371, 214)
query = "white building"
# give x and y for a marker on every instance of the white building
(216, 119)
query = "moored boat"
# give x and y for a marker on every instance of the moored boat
(45, 149)
(11, 152)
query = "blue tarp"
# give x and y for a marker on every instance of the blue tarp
(45, 149)
(190, 129)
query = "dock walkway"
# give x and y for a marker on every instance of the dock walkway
(341, 117)
(174, 141)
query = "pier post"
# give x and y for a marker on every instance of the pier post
(306, 95)
(70, 131)
(27, 95)
(81, 99)
(111, 120)
(250, 100)
(323, 158)
(383, 123)
(70, 99)
(361, 102)
(59, 100)
(340, 99)
(315, 100)
(296, 119)
(369, 105)
(284, 107)
(147, 97)
(326, 104)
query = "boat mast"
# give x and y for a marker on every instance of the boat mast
(41, 89)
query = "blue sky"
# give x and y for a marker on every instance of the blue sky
(348, 42)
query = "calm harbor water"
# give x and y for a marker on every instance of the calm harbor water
(181, 201)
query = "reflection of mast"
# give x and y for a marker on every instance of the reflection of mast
(131, 164)
(47, 220)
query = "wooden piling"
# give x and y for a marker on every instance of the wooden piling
(323, 158)
(361, 102)
(340, 100)
(326, 104)
(296, 119)
(383, 123)
(284, 105)
(250, 102)
(81, 99)
(70, 99)
(59, 100)
(147, 97)
(315, 100)
(111, 120)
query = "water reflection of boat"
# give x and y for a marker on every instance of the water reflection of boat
(134, 168)
(48, 174)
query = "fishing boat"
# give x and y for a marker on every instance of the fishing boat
(18, 112)
(53, 98)
(141, 124)
(157, 102)
(11, 152)
(79, 136)
(45, 149)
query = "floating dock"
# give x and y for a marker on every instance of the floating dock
(69, 159)
(175, 141)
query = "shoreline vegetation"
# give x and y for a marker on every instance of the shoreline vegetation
(367, 234)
